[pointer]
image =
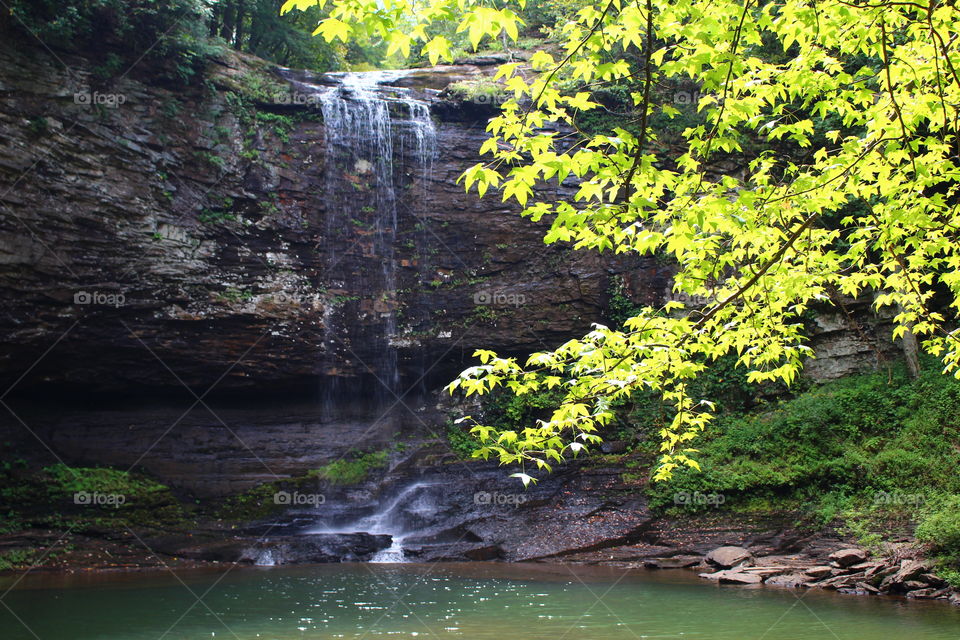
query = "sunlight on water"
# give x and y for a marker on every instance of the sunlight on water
(476, 601)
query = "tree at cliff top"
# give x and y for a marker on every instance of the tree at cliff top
(866, 93)
(179, 34)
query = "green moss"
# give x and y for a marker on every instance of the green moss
(253, 504)
(479, 91)
(352, 470)
(66, 480)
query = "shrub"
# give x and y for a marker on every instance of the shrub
(837, 444)
(461, 441)
(940, 526)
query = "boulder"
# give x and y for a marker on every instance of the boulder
(848, 557)
(727, 557)
(739, 577)
(732, 576)
(790, 581)
(932, 580)
(820, 571)
(869, 588)
(485, 552)
(908, 571)
(764, 572)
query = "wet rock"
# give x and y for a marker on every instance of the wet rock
(614, 446)
(848, 557)
(764, 572)
(297, 549)
(932, 580)
(676, 562)
(233, 269)
(487, 552)
(317, 548)
(726, 557)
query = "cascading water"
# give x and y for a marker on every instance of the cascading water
(396, 516)
(379, 138)
(375, 134)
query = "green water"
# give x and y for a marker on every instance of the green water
(476, 601)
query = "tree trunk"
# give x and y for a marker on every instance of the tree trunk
(241, 16)
(911, 353)
(229, 15)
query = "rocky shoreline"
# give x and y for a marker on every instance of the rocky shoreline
(849, 570)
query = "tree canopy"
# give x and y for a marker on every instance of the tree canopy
(865, 94)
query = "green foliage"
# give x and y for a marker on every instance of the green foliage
(81, 497)
(940, 526)
(167, 33)
(859, 449)
(253, 504)
(950, 574)
(479, 91)
(211, 158)
(460, 441)
(353, 470)
(235, 295)
(38, 126)
(620, 307)
(18, 558)
(514, 412)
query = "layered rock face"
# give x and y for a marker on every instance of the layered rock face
(163, 244)
(172, 236)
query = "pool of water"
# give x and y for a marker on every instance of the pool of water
(478, 601)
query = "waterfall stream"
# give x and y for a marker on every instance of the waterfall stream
(379, 139)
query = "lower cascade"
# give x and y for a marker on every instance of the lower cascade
(398, 517)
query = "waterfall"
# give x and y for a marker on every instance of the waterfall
(374, 131)
(396, 516)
